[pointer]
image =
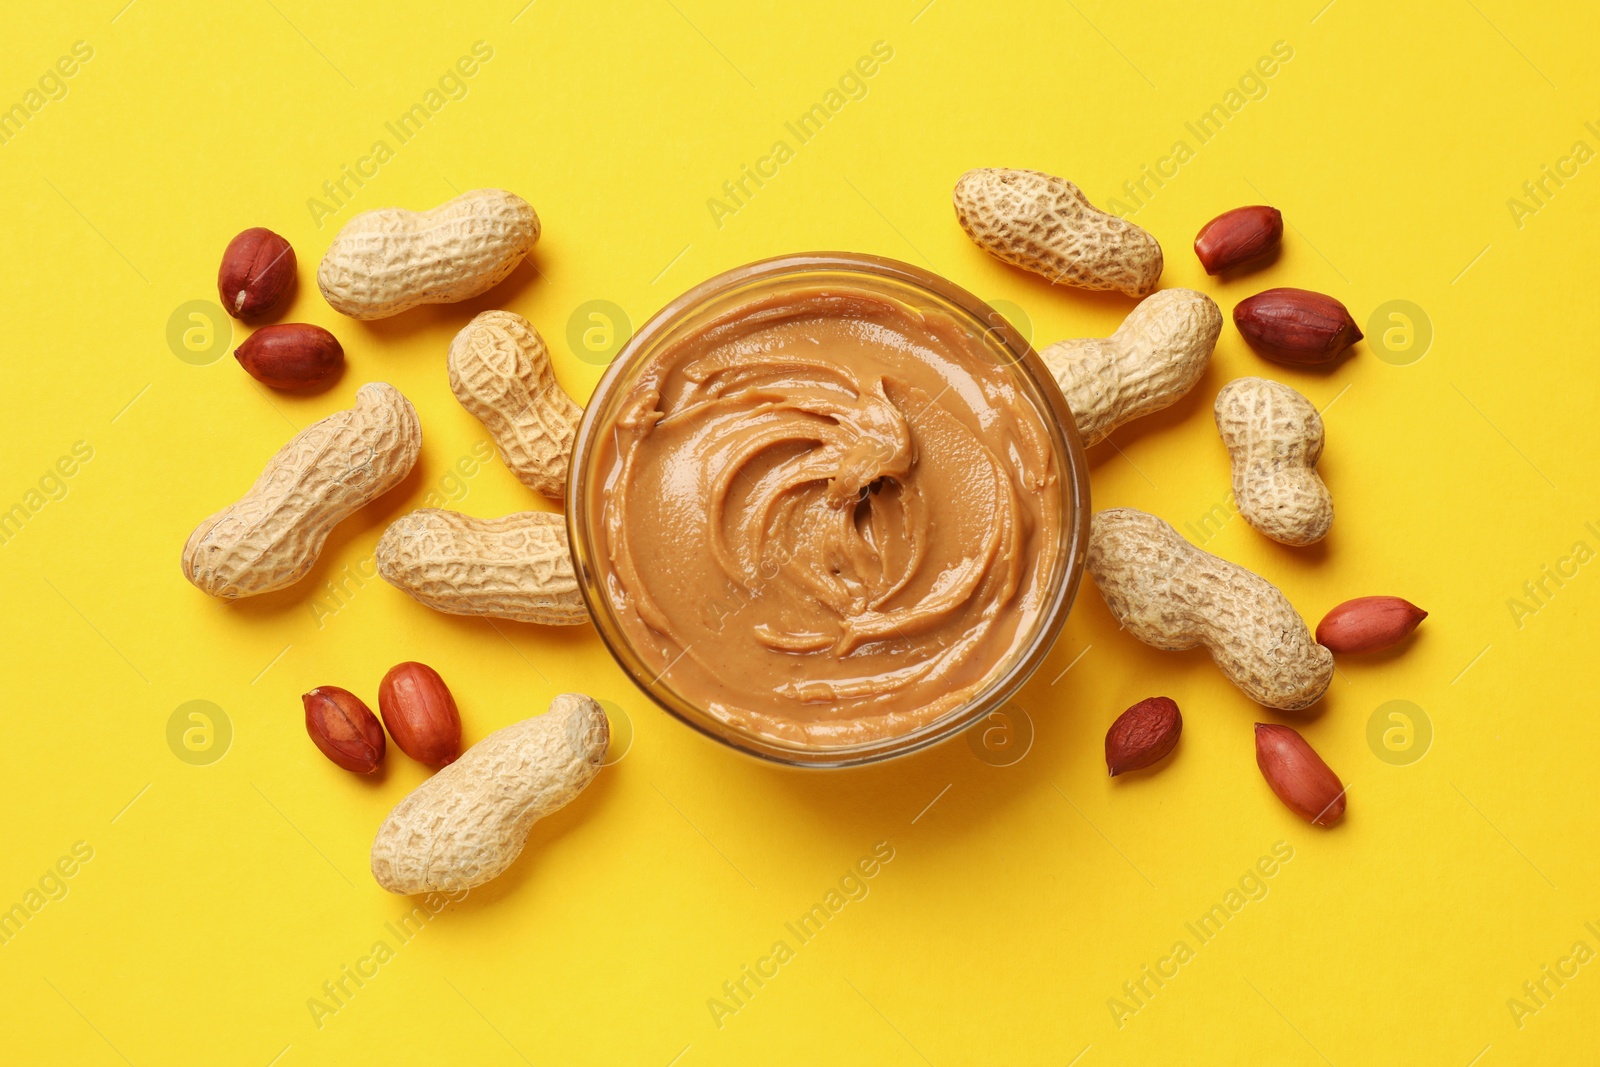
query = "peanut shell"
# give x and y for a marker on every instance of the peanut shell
(1156, 356)
(469, 822)
(1171, 595)
(517, 567)
(390, 260)
(1274, 439)
(273, 535)
(500, 371)
(1045, 224)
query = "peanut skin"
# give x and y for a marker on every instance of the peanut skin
(500, 371)
(1156, 356)
(291, 355)
(343, 728)
(1296, 326)
(1045, 224)
(1274, 439)
(1173, 596)
(1237, 237)
(1368, 624)
(390, 260)
(272, 536)
(1143, 735)
(257, 272)
(1300, 778)
(468, 823)
(517, 567)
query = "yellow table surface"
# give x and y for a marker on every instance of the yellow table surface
(219, 908)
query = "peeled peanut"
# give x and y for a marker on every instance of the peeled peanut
(343, 728)
(272, 536)
(420, 713)
(1045, 224)
(1274, 439)
(1237, 237)
(387, 261)
(500, 371)
(291, 355)
(1155, 357)
(1296, 326)
(257, 272)
(1306, 785)
(1143, 735)
(1368, 624)
(466, 824)
(517, 567)
(1171, 595)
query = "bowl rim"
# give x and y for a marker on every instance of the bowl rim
(1067, 447)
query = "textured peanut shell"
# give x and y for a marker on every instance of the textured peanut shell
(272, 536)
(1172, 596)
(387, 261)
(1155, 357)
(1045, 224)
(468, 823)
(517, 567)
(500, 371)
(1274, 439)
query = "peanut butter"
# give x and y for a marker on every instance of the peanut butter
(827, 517)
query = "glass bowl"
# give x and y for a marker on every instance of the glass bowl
(883, 278)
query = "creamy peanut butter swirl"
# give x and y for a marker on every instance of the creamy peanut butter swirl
(828, 517)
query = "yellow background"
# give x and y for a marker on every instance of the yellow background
(1020, 898)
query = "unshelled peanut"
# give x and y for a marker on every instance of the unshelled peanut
(1171, 595)
(1274, 439)
(390, 260)
(469, 822)
(1156, 356)
(500, 371)
(272, 536)
(517, 567)
(1045, 224)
